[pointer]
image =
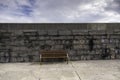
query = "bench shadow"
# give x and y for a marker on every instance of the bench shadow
(48, 62)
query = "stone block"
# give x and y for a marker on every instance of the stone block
(58, 46)
(79, 37)
(2, 53)
(50, 42)
(69, 37)
(82, 41)
(42, 32)
(14, 59)
(118, 56)
(65, 32)
(4, 59)
(97, 32)
(60, 38)
(26, 59)
(42, 42)
(20, 59)
(52, 32)
(15, 53)
(79, 32)
(36, 58)
(76, 42)
(72, 52)
(79, 46)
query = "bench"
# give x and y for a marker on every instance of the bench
(45, 54)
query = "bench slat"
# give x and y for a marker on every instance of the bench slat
(55, 57)
(53, 54)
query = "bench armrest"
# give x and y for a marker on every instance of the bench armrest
(40, 57)
(67, 56)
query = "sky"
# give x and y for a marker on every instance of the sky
(59, 11)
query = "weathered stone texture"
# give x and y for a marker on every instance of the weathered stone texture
(23, 44)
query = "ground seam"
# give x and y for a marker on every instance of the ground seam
(76, 72)
(34, 75)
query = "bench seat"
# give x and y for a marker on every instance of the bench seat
(53, 54)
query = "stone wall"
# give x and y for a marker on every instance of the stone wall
(23, 42)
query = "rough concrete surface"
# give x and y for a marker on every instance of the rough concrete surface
(75, 70)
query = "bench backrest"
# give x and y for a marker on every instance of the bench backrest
(55, 53)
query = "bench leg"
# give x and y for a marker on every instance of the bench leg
(67, 58)
(67, 61)
(40, 60)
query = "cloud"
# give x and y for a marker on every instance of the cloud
(59, 11)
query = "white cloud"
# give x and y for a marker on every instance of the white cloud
(58, 11)
(110, 16)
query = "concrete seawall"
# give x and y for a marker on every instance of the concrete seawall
(23, 42)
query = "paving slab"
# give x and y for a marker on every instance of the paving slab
(75, 70)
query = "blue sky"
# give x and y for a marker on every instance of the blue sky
(59, 11)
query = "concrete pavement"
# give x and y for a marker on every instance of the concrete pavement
(75, 70)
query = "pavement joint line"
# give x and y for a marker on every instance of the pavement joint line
(78, 75)
(76, 71)
(34, 75)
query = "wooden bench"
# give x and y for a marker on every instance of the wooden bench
(45, 54)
